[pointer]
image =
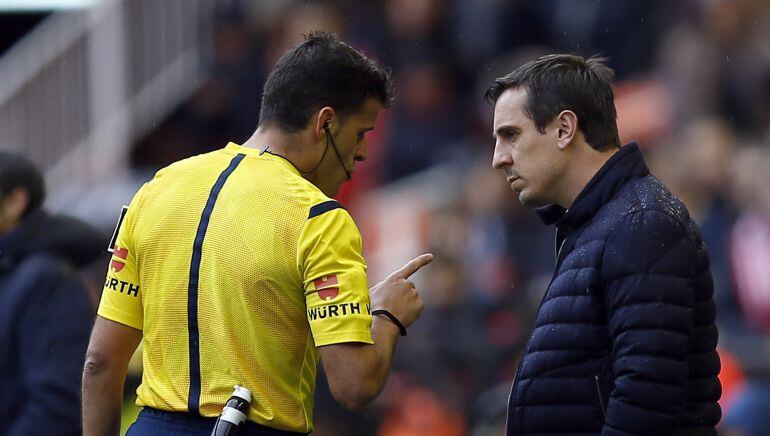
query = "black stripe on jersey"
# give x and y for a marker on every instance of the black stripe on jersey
(324, 207)
(114, 238)
(193, 401)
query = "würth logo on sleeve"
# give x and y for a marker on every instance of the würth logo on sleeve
(327, 287)
(121, 254)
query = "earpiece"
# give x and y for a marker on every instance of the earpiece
(329, 139)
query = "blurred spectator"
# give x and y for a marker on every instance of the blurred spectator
(627, 32)
(420, 412)
(731, 377)
(750, 239)
(716, 61)
(45, 313)
(417, 30)
(706, 147)
(423, 117)
(750, 413)
(745, 400)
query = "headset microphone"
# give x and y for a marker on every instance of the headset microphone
(329, 139)
(334, 146)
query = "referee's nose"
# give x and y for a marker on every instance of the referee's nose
(361, 152)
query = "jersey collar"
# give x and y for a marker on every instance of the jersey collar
(233, 148)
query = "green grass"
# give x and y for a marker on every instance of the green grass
(129, 413)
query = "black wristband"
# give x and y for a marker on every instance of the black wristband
(391, 317)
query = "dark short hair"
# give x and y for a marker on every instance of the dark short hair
(321, 71)
(560, 82)
(18, 172)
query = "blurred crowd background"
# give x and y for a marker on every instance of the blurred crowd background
(693, 89)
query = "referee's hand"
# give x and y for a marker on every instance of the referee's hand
(398, 295)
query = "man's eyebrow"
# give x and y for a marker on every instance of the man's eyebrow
(505, 128)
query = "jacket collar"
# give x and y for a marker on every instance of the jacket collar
(15, 241)
(627, 164)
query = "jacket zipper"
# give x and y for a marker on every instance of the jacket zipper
(514, 386)
(558, 249)
(601, 401)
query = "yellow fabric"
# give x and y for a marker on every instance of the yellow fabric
(260, 316)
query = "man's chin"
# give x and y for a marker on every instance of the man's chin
(333, 190)
(528, 199)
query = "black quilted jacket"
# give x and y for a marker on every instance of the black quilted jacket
(624, 341)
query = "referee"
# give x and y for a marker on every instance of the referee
(237, 268)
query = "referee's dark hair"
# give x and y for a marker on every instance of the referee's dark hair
(321, 71)
(18, 172)
(560, 82)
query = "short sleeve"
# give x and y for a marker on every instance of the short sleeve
(334, 277)
(121, 296)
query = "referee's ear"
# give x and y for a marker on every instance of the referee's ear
(324, 121)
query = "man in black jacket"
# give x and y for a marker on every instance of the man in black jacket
(624, 340)
(45, 312)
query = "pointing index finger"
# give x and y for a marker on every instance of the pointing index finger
(413, 265)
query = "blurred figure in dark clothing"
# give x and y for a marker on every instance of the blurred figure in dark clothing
(589, 26)
(45, 313)
(419, 120)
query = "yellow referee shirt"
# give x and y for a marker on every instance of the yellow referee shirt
(236, 268)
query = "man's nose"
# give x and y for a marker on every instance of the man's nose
(500, 159)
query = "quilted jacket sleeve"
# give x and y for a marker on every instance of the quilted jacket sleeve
(648, 266)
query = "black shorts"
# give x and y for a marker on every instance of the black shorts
(158, 422)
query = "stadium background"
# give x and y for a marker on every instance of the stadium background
(100, 94)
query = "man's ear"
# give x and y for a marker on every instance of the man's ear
(567, 128)
(323, 120)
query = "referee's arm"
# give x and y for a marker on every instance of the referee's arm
(111, 347)
(357, 372)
